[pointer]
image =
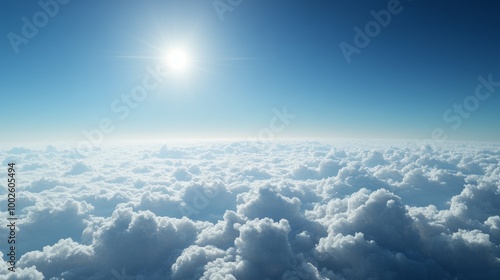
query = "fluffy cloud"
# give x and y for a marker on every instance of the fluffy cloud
(285, 210)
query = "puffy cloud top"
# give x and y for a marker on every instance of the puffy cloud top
(284, 210)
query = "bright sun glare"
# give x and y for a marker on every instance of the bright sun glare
(177, 60)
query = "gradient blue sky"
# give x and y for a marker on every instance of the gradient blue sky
(263, 55)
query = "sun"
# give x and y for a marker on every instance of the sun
(178, 60)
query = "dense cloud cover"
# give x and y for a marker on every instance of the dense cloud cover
(278, 210)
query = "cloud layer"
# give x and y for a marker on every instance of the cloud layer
(278, 210)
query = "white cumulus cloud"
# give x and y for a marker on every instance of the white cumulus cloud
(274, 210)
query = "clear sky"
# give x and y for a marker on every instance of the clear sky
(242, 63)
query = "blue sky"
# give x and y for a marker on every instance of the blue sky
(263, 55)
